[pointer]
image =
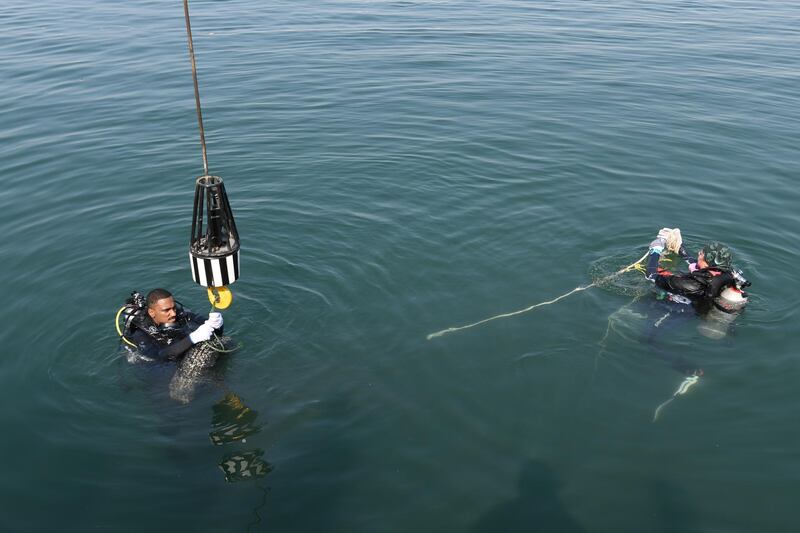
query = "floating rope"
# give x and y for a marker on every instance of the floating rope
(219, 345)
(683, 388)
(633, 266)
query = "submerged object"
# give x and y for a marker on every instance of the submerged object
(194, 368)
(214, 245)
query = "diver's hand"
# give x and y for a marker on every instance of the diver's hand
(214, 320)
(202, 333)
(658, 245)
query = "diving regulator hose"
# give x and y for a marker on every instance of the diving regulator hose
(119, 330)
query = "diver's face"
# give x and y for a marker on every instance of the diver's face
(163, 311)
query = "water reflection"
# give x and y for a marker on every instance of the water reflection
(232, 420)
(243, 466)
(231, 423)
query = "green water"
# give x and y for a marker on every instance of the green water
(397, 168)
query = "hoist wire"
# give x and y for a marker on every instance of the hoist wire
(196, 87)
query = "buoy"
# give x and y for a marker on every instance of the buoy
(214, 246)
(214, 243)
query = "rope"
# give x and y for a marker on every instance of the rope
(219, 346)
(554, 300)
(682, 389)
(217, 343)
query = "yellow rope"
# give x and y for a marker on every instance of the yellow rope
(554, 300)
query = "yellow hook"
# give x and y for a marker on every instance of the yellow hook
(220, 297)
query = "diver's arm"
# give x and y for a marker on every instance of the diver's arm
(667, 239)
(144, 344)
(214, 320)
(719, 283)
(196, 320)
(652, 265)
(690, 260)
(656, 249)
(174, 350)
(685, 255)
(150, 348)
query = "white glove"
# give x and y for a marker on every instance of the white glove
(202, 333)
(214, 320)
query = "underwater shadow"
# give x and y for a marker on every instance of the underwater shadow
(308, 485)
(674, 510)
(536, 507)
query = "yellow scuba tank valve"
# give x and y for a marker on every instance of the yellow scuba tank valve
(220, 297)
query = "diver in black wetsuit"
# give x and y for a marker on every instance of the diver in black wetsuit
(711, 286)
(166, 330)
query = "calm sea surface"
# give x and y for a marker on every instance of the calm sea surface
(398, 168)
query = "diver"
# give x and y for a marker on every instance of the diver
(711, 289)
(163, 330)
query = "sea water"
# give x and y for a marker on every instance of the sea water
(396, 168)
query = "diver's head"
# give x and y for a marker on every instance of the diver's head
(714, 255)
(161, 307)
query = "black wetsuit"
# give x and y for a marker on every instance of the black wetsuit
(682, 294)
(698, 287)
(165, 343)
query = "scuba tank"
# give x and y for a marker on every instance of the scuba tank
(730, 302)
(132, 315)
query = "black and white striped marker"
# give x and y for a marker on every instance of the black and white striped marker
(215, 271)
